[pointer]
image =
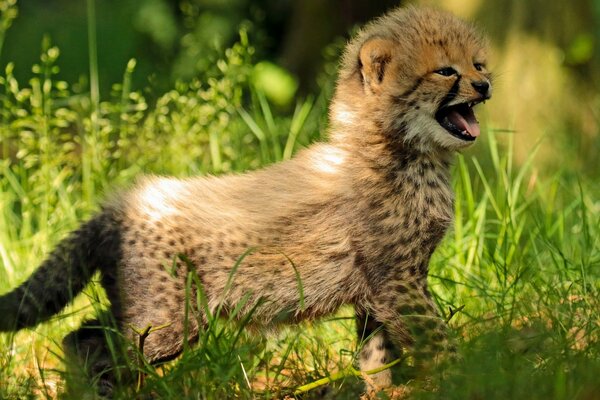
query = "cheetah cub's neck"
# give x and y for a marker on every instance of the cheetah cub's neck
(403, 106)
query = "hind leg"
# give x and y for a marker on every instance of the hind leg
(95, 355)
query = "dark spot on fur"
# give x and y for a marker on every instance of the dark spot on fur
(432, 183)
(415, 295)
(365, 354)
(179, 297)
(390, 248)
(162, 299)
(414, 270)
(431, 324)
(405, 309)
(418, 330)
(401, 288)
(419, 309)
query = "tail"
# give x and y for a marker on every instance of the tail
(68, 269)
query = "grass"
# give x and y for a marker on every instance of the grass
(522, 262)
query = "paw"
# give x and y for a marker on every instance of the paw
(377, 382)
(392, 393)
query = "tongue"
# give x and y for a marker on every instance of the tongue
(465, 122)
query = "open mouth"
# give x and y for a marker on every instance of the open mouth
(459, 120)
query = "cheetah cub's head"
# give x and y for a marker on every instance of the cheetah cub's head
(416, 75)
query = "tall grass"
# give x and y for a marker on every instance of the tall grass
(523, 257)
(524, 261)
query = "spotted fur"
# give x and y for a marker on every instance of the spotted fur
(354, 220)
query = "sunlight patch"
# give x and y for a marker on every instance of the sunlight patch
(329, 161)
(157, 198)
(344, 115)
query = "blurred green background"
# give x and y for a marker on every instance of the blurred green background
(546, 53)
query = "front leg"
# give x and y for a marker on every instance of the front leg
(375, 351)
(411, 319)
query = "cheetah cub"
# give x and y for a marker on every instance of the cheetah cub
(353, 220)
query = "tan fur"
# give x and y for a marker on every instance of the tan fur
(354, 220)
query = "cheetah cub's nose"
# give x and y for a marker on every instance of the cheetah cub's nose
(482, 87)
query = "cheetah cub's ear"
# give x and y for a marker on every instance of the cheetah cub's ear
(375, 55)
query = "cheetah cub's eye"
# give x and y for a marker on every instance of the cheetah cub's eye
(479, 66)
(446, 71)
